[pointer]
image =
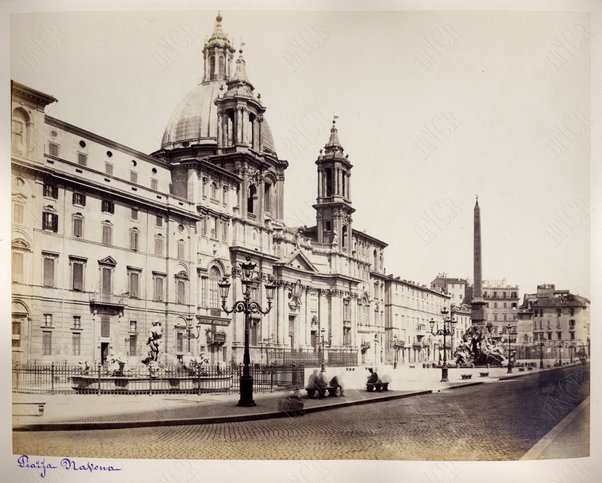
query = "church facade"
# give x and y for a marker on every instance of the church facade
(107, 240)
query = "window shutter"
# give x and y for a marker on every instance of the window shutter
(105, 326)
(78, 277)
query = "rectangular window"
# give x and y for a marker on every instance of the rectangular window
(105, 326)
(180, 291)
(48, 272)
(158, 289)
(224, 231)
(180, 250)
(77, 322)
(133, 326)
(154, 184)
(134, 213)
(107, 234)
(51, 191)
(47, 318)
(108, 206)
(16, 336)
(134, 278)
(82, 159)
(559, 335)
(134, 240)
(133, 176)
(133, 344)
(47, 343)
(204, 226)
(17, 259)
(53, 149)
(79, 199)
(78, 226)
(18, 213)
(203, 301)
(106, 283)
(76, 341)
(158, 220)
(109, 169)
(77, 275)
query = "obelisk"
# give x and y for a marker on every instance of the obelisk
(478, 315)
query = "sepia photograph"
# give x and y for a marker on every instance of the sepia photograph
(317, 235)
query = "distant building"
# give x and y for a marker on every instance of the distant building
(410, 307)
(557, 318)
(454, 287)
(501, 301)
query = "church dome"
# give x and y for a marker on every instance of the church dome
(194, 120)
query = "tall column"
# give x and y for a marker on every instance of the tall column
(478, 317)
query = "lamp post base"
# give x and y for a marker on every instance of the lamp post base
(541, 364)
(444, 374)
(246, 392)
(509, 371)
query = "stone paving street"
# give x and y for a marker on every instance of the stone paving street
(500, 421)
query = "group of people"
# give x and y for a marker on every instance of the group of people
(319, 381)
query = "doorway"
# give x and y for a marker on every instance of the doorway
(104, 352)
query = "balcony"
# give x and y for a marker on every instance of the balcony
(107, 301)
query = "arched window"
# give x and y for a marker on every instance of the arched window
(214, 277)
(251, 199)
(222, 66)
(212, 67)
(344, 236)
(20, 133)
(181, 283)
(328, 174)
(214, 191)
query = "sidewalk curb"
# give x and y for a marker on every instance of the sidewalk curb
(100, 425)
(206, 420)
(538, 448)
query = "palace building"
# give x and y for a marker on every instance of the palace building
(107, 240)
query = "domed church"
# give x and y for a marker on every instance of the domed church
(108, 240)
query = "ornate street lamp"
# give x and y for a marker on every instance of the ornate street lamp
(322, 365)
(509, 329)
(189, 329)
(248, 307)
(560, 353)
(396, 347)
(448, 325)
(541, 344)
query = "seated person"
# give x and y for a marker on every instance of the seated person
(373, 377)
(316, 380)
(336, 381)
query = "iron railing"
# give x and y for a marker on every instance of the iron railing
(73, 379)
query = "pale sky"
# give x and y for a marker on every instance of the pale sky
(434, 107)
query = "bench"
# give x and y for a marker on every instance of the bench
(483, 374)
(40, 406)
(320, 392)
(377, 386)
(466, 376)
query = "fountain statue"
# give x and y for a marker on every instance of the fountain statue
(478, 348)
(156, 332)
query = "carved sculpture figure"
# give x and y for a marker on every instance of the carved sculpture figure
(156, 333)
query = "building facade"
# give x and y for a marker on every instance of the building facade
(501, 307)
(554, 324)
(107, 240)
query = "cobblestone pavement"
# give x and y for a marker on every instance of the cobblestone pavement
(486, 422)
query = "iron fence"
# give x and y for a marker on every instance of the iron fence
(332, 357)
(71, 379)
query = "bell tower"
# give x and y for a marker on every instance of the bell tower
(333, 205)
